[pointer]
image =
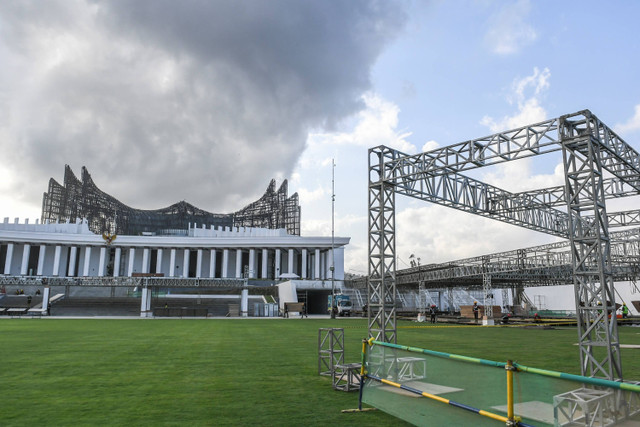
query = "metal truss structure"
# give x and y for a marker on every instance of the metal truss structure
(83, 199)
(543, 265)
(576, 211)
(273, 210)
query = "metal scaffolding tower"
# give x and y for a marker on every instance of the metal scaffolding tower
(382, 247)
(81, 198)
(576, 211)
(585, 153)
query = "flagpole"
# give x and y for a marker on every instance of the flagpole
(333, 259)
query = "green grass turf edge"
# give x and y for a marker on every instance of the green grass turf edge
(225, 372)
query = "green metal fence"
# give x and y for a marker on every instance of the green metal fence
(426, 387)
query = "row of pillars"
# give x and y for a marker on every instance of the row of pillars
(319, 262)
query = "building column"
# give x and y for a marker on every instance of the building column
(244, 303)
(56, 261)
(225, 263)
(25, 259)
(172, 263)
(159, 261)
(87, 259)
(132, 258)
(291, 257)
(116, 262)
(265, 259)
(45, 298)
(73, 251)
(145, 260)
(212, 263)
(303, 273)
(103, 258)
(316, 260)
(323, 266)
(199, 263)
(145, 304)
(185, 262)
(277, 272)
(8, 259)
(238, 263)
(252, 263)
(43, 251)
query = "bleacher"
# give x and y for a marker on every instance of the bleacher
(87, 306)
(63, 305)
(18, 305)
(206, 307)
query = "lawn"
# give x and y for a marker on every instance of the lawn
(224, 372)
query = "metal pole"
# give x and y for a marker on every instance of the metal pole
(510, 412)
(362, 373)
(333, 260)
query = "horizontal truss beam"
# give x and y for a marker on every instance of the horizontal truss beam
(619, 158)
(554, 196)
(467, 194)
(551, 262)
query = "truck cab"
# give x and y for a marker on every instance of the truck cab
(343, 305)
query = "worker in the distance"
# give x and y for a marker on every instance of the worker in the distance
(625, 311)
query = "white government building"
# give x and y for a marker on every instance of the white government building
(72, 250)
(266, 256)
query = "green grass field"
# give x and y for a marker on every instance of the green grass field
(225, 372)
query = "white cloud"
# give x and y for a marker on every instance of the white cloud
(308, 196)
(526, 93)
(14, 205)
(631, 125)
(161, 99)
(508, 30)
(376, 125)
(356, 251)
(440, 234)
(517, 176)
(430, 145)
(327, 162)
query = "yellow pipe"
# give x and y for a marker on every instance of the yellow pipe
(493, 416)
(364, 352)
(447, 401)
(509, 368)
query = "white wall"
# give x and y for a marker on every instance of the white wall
(562, 297)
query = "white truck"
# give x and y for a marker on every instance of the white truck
(342, 306)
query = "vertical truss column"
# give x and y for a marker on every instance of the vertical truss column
(487, 290)
(422, 298)
(505, 299)
(382, 249)
(591, 251)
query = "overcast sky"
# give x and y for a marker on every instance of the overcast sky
(203, 101)
(206, 101)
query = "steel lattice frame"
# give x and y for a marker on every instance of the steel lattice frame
(382, 250)
(591, 251)
(588, 148)
(81, 198)
(538, 265)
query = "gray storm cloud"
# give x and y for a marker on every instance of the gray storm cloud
(202, 101)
